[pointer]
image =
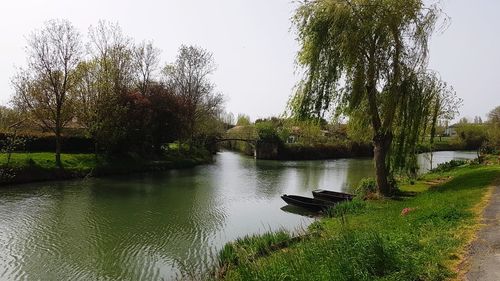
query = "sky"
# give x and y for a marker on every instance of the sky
(254, 46)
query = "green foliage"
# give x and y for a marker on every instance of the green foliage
(427, 99)
(243, 120)
(12, 142)
(112, 92)
(364, 60)
(494, 129)
(178, 150)
(359, 127)
(356, 206)
(310, 132)
(27, 167)
(241, 132)
(267, 132)
(366, 187)
(447, 166)
(441, 144)
(8, 118)
(472, 136)
(252, 246)
(306, 139)
(45, 160)
(40, 142)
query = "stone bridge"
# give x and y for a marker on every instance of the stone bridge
(261, 149)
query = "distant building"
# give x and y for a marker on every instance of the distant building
(451, 130)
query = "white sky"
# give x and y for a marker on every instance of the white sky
(253, 46)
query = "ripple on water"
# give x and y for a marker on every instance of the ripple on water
(145, 227)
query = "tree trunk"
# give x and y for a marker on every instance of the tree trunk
(381, 148)
(58, 150)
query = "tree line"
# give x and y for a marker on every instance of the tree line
(116, 89)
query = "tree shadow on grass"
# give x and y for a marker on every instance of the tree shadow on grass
(475, 179)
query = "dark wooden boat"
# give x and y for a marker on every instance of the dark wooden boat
(310, 204)
(332, 196)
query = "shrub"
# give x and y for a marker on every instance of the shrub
(366, 187)
(47, 142)
(447, 166)
(267, 132)
(472, 136)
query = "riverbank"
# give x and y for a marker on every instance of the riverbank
(323, 151)
(420, 236)
(41, 166)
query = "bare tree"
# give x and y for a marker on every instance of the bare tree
(42, 89)
(113, 51)
(188, 78)
(105, 76)
(494, 115)
(89, 100)
(146, 59)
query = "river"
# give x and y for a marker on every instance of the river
(158, 226)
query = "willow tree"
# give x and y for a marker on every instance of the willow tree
(425, 100)
(356, 55)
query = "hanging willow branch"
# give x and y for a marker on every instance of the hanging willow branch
(425, 100)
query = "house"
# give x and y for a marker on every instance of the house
(451, 130)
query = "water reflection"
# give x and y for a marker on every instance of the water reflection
(154, 226)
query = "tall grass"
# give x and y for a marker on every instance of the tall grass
(356, 206)
(253, 246)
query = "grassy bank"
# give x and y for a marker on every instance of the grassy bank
(299, 151)
(41, 166)
(420, 236)
(443, 144)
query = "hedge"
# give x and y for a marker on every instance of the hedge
(40, 143)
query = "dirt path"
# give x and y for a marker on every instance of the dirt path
(485, 251)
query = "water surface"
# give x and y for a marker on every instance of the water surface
(158, 226)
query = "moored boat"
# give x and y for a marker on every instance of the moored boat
(332, 196)
(310, 204)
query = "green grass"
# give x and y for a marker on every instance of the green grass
(46, 160)
(252, 246)
(443, 143)
(28, 167)
(373, 241)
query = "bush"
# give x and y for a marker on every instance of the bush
(472, 136)
(366, 187)
(267, 132)
(44, 143)
(177, 151)
(447, 166)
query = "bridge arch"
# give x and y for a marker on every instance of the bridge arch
(251, 142)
